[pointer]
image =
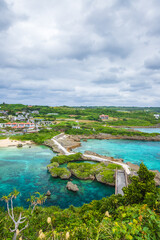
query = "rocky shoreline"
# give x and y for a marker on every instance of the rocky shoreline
(73, 141)
(103, 136)
(135, 168)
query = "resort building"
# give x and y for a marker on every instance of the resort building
(19, 125)
(104, 117)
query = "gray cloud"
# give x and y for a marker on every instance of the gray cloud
(80, 52)
(153, 63)
(6, 16)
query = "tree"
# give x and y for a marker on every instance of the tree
(36, 200)
(10, 210)
(141, 186)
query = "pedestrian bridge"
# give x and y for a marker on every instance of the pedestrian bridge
(121, 181)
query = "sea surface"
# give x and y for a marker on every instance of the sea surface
(148, 130)
(132, 151)
(25, 169)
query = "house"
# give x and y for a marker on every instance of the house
(4, 112)
(104, 117)
(156, 116)
(12, 118)
(35, 112)
(21, 118)
(76, 127)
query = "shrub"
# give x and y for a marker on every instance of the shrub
(114, 166)
(59, 172)
(66, 158)
(108, 176)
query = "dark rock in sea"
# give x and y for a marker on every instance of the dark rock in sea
(19, 145)
(29, 146)
(72, 187)
(48, 193)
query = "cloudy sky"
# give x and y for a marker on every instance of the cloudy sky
(80, 52)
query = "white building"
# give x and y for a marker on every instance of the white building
(35, 111)
(156, 116)
(76, 127)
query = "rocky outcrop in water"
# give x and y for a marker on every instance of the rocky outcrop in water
(62, 173)
(72, 187)
(52, 165)
(48, 193)
(99, 178)
(19, 145)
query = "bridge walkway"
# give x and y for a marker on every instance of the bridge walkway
(121, 181)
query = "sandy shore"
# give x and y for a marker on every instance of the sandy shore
(10, 143)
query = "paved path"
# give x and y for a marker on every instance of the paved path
(94, 158)
(100, 159)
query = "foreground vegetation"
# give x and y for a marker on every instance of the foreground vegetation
(136, 215)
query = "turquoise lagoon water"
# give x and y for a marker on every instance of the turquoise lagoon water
(148, 130)
(130, 150)
(25, 169)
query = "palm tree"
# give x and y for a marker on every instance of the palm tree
(36, 200)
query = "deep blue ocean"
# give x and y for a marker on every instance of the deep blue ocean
(25, 169)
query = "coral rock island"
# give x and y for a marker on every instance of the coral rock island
(102, 172)
(72, 187)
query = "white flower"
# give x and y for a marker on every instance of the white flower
(67, 235)
(41, 235)
(48, 220)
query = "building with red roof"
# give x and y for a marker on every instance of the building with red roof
(104, 117)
